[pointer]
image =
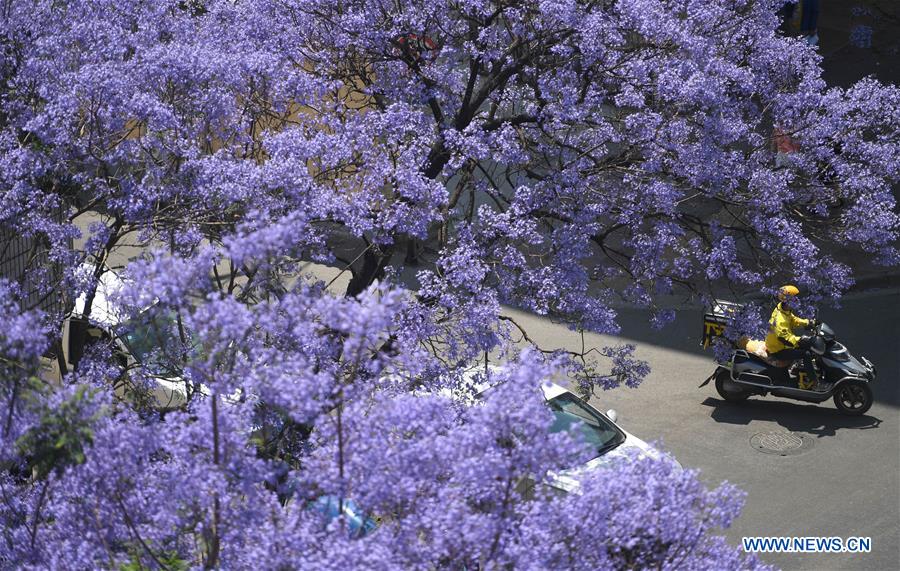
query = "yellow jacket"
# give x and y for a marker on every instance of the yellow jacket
(781, 330)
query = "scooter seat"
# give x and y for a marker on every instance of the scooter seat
(757, 351)
(770, 362)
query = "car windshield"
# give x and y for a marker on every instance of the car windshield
(598, 432)
(149, 336)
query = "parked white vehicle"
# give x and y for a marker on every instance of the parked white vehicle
(137, 341)
(611, 441)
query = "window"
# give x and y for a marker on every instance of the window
(594, 428)
(149, 336)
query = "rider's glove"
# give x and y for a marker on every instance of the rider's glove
(805, 342)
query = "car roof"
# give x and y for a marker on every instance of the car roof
(552, 390)
(103, 310)
(549, 388)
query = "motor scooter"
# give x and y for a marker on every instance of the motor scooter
(750, 371)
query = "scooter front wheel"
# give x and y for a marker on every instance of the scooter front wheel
(853, 398)
(728, 389)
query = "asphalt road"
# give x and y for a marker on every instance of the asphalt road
(846, 484)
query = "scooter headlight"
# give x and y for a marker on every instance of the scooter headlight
(870, 367)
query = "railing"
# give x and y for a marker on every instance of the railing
(25, 261)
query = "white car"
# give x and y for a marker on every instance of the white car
(611, 441)
(135, 340)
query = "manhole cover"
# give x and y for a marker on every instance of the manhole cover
(780, 443)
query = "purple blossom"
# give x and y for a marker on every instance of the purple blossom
(25, 334)
(449, 158)
(861, 36)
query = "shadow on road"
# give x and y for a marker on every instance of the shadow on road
(818, 421)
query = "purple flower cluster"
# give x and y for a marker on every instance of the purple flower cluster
(24, 335)
(861, 36)
(449, 158)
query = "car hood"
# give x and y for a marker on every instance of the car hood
(632, 448)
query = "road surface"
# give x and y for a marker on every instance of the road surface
(846, 484)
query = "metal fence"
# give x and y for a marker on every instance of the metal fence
(25, 261)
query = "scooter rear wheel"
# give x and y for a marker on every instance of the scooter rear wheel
(728, 389)
(853, 398)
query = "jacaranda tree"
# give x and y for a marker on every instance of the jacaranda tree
(451, 157)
